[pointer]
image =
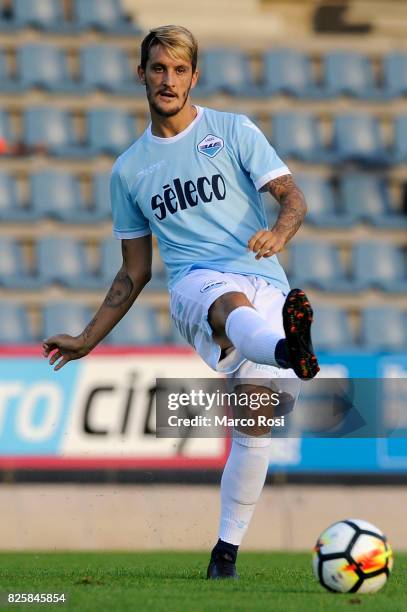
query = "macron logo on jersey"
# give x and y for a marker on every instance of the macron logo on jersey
(210, 145)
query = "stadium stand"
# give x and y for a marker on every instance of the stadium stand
(45, 66)
(333, 332)
(70, 103)
(14, 324)
(317, 265)
(378, 335)
(62, 315)
(389, 270)
(139, 326)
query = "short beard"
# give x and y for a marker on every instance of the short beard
(160, 111)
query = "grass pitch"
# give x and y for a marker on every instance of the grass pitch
(175, 582)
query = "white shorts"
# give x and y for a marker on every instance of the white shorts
(190, 300)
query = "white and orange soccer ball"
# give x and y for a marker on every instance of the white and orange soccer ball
(352, 556)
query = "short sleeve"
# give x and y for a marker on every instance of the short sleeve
(128, 219)
(256, 154)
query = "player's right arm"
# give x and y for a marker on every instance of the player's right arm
(128, 283)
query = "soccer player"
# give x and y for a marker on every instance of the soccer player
(193, 179)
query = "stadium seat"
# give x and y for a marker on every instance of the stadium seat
(53, 129)
(45, 66)
(357, 138)
(14, 324)
(7, 84)
(11, 208)
(287, 71)
(110, 261)
(349, 73)
(57, 195)
(383, 329)
(317, 265)
(108, 68)
(321, 201)
(13, 271)
(6, 136)
(365, 197)
(395, 74)
(226, 71)
(140, 326)
(105, 15)
(101, 197)
(64, 317)
(42, 14)
(400, 139)
(298, 135)
(331, 330)
(64, 261)
(109, 131)
(158, 280)
(379, 265)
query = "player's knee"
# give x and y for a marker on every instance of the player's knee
(222, 307)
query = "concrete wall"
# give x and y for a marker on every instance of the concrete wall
(93, 517)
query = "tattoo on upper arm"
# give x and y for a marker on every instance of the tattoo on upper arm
(120, 290)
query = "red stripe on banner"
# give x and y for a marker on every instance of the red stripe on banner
(36, 350)
(170, 463)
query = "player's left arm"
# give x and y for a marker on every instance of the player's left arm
(293, 208)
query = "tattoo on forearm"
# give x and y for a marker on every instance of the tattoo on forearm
(120, 290)
(88, 328)
(292, 202)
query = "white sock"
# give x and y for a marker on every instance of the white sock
(251, 335)
(242, 482)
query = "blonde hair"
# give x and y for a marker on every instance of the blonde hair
(178, 41)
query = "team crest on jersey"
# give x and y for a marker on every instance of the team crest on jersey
(211, 285)
(211, 145)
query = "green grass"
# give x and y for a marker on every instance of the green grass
(175, 582)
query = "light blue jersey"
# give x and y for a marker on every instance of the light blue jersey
(198, 193)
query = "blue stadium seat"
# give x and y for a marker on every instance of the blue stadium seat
(349, 73)
(53, 129)
(395, 74)
(357, 138)
(101, 197)
(14, 324)
(317, 265)
(64, 317)
(158, 280)
(140, 326)
(365, 197)
(321, 200)
(400, 139)
(384, 329)
(42, 14)
(7, 84)
(379, 265)
(287, 71)
(13, 270)
(11, 208)
(64, 261)
(57, 195)
(110, 260)
(5, 127)
(105, 15)
(107, 67)
(299, 136)
(331, 330)
(109, 131)
(45, 66)
(226, 71)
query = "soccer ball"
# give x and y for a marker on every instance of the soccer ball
(352, 556)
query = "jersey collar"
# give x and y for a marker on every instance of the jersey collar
(172, 139)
